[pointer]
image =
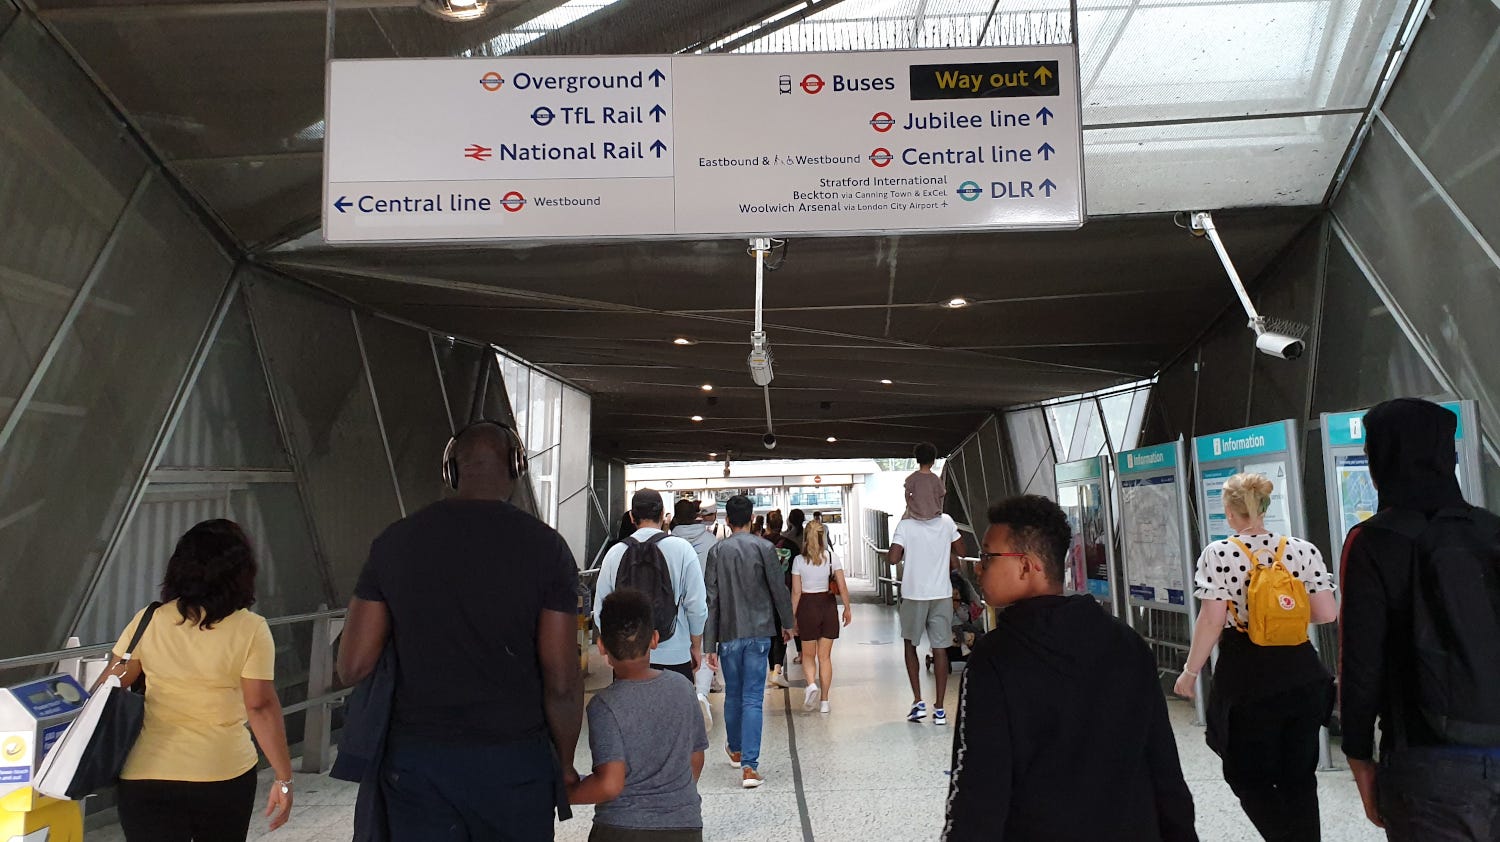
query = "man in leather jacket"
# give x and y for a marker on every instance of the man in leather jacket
(748, 602)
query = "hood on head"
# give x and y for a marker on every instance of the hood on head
(1413, 457)
(1060, 631)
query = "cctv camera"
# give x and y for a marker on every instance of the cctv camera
(1280, 345)
(769, 440)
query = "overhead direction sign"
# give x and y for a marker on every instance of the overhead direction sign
(692, 146)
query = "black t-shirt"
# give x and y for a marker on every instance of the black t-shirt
(465, 582)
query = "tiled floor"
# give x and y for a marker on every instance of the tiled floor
(867, 774)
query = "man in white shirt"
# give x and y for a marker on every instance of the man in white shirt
(683, 651)
(930, 549)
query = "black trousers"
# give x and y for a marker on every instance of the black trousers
(184, 811)
(684, 670)
(1440, 795)
(1271, 761)
(605, 833)
(477, 793)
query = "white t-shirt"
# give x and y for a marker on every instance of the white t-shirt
(1224, 572)
(815, 576)
(927, 546)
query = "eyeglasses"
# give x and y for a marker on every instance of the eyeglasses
(985, 558)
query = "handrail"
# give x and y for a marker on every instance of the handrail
(44, 658)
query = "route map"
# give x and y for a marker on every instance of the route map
(1152, 544)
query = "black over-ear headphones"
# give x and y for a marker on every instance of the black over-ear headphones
(516, 465)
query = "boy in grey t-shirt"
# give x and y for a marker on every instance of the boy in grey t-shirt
(646, 735)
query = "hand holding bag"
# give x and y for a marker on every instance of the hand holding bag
(91, 753)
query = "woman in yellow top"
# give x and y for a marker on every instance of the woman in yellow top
(209, 665)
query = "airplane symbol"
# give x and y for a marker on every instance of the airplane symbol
(478, 153)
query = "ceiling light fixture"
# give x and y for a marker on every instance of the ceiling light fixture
(955, 303)
(697, 418)
(885, 382)
(708, 387)
(713, 455)
(457, 10)
(683, 340)
(832, 440)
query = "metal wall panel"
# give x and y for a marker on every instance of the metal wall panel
(411, 406)
(228, 420)
(324, 400)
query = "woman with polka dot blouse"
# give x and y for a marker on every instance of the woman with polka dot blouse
(1268, 702)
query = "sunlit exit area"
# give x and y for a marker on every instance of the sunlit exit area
(749, 420)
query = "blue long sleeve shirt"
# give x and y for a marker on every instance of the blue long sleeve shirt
(687, 584)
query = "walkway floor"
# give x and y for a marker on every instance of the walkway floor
(861, 773)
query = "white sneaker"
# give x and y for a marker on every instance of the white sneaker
(825, 707)
(810, 701)
(708, 712)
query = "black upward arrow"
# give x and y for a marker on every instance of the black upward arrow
(658, 77)
(658, 112)
(658, 147)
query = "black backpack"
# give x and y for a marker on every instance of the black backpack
(1456, 620)
(644, 568)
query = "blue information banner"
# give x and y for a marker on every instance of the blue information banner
(1265, 440)
(1080, 471)
(1158, 458)
(1347, 429)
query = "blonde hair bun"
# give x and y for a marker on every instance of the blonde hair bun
(1249, 494)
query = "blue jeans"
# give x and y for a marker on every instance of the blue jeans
(744, 664)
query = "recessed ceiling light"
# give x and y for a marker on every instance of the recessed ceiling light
(956, 303)
(831, 439)
(708, 387)
(683, 340)
(697, 418)
(885, 382)
(713, 455)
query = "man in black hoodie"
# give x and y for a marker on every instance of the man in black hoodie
(1426, 787)
(1062, 732)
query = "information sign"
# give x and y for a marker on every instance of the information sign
(1154, 524)
(1082, 494)
(475, 149)
(1352, 496)
(1269, 449)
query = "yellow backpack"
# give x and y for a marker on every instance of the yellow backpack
(1277, 602)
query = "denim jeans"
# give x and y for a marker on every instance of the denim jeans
(744, 664)
(1440, 795)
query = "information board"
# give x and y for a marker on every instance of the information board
(1082, 495)
(1157, 539)
(1352, 496)
(1269, 449)
(480, 149)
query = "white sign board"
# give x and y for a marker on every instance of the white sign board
(432, 150)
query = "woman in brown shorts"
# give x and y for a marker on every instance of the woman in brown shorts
(817, 585)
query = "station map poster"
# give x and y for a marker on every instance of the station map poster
(1153, 520)
(1352, 495)
(1081, 495)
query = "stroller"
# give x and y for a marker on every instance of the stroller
(968, 614)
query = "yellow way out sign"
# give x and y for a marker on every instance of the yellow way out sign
(984, 80)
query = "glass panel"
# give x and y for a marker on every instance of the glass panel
(496, 406)
(816, 496)
(1088, 439)
(997, 475)
(81, 446)
(575, 509)
(411, 405)
(462, 365)
(290, 579)
(1062, 420)
(229, 421)
(1446, 102)
(64, 180)
(1028, 434)
(330, 420)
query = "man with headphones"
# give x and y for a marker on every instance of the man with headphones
(480, 602)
